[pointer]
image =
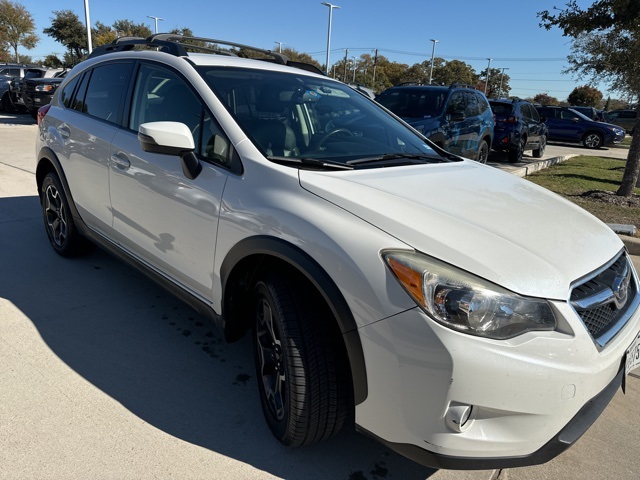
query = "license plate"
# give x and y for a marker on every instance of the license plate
(633, 356)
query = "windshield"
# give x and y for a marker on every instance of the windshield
(414, 102)
(298, 116)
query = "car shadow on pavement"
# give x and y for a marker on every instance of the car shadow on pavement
(159, 359)
(16, 119)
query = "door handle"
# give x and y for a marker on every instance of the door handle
(121, 161)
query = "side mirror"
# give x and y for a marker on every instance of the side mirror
(171, 138)
(543, 119)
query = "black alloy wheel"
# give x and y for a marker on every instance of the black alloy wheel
(539, 152)
(483, 152)
(303, 390)
(515, 154)
(58, 222)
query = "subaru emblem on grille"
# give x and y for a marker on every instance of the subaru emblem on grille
(620, 288)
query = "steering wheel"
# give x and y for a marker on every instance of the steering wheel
(332, 133)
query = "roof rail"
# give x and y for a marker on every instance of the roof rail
(462, 85)
(177, 45)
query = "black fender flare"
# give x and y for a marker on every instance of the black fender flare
(46, 154)
(263, 245)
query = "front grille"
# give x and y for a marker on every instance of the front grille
(606, 300)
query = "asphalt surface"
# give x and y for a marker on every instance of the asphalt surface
(104, 375)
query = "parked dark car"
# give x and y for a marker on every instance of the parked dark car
(456, 118)
(37, 92)
(623, 118)
(518, 128)
(567, 125)
(12, 100)
(589, 112)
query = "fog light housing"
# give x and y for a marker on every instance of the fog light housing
(459, 417)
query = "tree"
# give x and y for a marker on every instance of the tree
(545, 100)
(493, 86)
(17, 27)
(5, 56)
(605, 46)
(126, 28)
(52, 61)
(585, 96)
(67, 29)
(454, 71)
(102, 34)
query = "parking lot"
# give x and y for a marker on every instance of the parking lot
(105, 375)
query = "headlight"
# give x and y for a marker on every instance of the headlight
(44, 88)
(464, 302)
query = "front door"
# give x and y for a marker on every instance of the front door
(160, 215)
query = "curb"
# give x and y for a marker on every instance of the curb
(541, 164)
(632, 244)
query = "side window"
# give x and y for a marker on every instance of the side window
(548, 112)
(533, 114)
(628, 114)
(456, 103)
(78, 101)
(567, 115)
(67, 92)
(483, 103)
(162, 96)
(214, 144)
(106, 89)
(473, 106)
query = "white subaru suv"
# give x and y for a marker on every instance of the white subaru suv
(462, 316)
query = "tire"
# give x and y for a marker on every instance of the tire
(593, 140)
(7, 104)
(58, 221)
(301, 379)
(483, 152)
(539, 152)
(515, 155)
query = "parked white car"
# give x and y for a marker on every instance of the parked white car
(463, 316)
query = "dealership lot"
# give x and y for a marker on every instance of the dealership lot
(104, 375)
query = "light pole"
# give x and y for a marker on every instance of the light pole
(501, 78)
(156, 19)
(433, 52)
(354, 70)
(486, 83)
(280, 46)
(88, 21)
(331, 7)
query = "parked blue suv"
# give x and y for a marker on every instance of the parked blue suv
(568, 125)
(518, 128)
(456, 118)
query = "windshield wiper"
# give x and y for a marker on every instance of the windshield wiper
(310, 162)
(390, 157)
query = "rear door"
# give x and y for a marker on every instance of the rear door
(161, 216)
(457, 132)
(85, 125)
(534, 125)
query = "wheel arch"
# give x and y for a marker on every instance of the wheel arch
(49, 162)
(253, 255)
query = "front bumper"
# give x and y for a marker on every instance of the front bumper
(531, 397)
(615, 138)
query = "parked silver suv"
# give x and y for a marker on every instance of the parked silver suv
(461, 315)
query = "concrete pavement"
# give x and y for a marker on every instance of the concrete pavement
(104, 375)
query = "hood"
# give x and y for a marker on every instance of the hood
(488, 222)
